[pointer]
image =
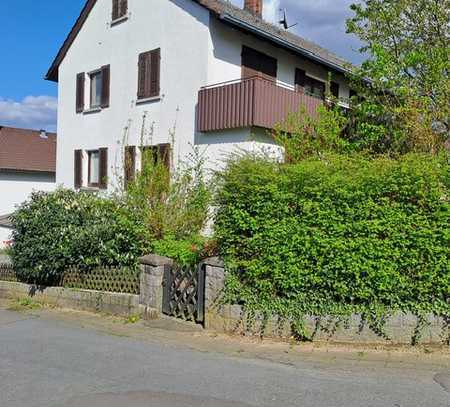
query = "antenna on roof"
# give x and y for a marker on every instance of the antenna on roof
(284, 20)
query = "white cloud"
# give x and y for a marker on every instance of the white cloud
(272, 10)
(36, 112)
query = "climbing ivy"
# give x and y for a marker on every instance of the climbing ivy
(335, 236)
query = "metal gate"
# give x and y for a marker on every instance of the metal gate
(184, 292)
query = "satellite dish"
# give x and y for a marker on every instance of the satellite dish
(284, 21)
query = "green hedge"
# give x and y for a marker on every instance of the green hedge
(336, 236)
(58, 230)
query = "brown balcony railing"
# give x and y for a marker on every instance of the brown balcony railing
(249, 102)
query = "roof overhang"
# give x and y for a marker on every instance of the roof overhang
(27, 171)
(5, 221)
(244, 26)
(52, 74)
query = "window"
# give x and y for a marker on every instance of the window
(99, 87)
(308, 85)
(149, 74)
(314, 87)
(334, 89)
(94, 168)
(96, 89)
(255, 63)
(156, 154)
(97, 168)
(120, 9)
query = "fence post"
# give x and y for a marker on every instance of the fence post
(151, 283)
(214, 285)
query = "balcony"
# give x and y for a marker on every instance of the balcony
(252, 102)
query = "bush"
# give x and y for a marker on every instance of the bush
(303, 136)
(336, 236)
(54, 231)
(173, 204)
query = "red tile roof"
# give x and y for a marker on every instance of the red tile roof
(27, 150)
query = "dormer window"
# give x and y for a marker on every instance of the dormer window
(120, 9)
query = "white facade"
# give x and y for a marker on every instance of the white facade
(196, 50)
(15, 188)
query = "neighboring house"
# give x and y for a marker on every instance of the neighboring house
(27, 164)
(201, 72)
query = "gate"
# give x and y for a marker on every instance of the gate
(184, 292)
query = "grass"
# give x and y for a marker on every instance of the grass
(132, 319)
(24, 304)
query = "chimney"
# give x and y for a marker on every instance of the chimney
(254, 6)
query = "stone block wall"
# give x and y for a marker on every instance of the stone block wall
(400, 328)
(84, 300)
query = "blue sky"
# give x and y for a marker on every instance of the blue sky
(30, 37)
(33, 32)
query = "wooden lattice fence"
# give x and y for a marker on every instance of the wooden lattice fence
(111, 279)
(184, 290)
(7, 272)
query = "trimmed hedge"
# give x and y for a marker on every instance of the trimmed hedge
(336, 236)
(63, 229)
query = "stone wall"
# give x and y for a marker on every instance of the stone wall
(85, 300)
(226, 318)
(400, 328)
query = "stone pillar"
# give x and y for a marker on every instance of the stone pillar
(214, 285)
(151, 284)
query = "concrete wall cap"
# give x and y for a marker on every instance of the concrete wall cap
(214, 262)
(155, 260)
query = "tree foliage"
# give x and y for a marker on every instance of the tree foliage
(303, 136)
(403, 86)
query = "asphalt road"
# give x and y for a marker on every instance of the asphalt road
(46, 361)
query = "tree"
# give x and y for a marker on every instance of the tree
(303, 136)
(403, 85)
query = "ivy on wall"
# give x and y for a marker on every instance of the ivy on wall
(337, 235)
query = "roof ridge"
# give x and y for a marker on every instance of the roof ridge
(250, 23)
(26, 129)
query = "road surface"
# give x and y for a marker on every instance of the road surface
(51, 358)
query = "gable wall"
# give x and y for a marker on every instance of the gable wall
(180, 29)
(196, 50)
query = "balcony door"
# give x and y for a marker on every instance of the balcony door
(255, 63)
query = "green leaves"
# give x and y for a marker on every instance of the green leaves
(340, 234)
(54, 231)
(407, 48)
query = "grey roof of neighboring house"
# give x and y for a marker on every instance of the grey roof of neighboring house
(5, 221)
(234, 16)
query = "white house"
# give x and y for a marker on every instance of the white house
(178, 73)
(27, 164)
